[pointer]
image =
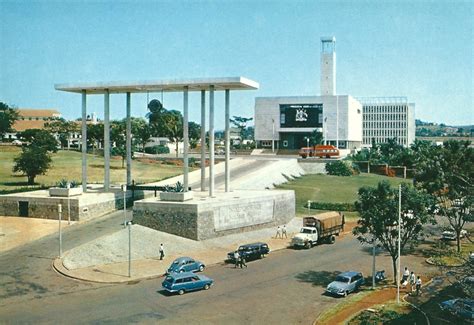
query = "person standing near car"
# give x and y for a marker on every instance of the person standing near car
(242, 261)
(236, 258)
(162, 251)
(283, 232)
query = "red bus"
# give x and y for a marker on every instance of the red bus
(321, 151)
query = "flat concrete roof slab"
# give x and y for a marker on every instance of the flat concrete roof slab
(172, 85)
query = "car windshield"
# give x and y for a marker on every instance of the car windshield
(169, 279)
(342, 279)
(305, 231)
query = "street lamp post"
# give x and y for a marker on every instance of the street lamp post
(124, 189)
(68, 205)
(273, 135)
(309, 207)
(373, 263)
(60, 211)
(399, 238)
(129, 224)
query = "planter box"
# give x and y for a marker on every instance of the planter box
(65, 192)
(176, 196)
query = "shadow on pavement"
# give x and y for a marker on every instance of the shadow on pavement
(317, 278)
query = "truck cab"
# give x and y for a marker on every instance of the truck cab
(307, 237)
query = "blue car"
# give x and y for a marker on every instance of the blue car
(345, 283)
(185, 264)
(186, 281)
(463, 308)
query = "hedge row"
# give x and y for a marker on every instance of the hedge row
(332, 206)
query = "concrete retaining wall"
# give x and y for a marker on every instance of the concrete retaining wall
(227, 213)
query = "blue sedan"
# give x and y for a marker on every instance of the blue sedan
(461, 307)
(186, 281)
(185, 264)
(345, 283)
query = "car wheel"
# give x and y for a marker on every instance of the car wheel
(308, 245)
(332, 239)
(201, 268)
(346, 293)
(181, 292)
(206, 287)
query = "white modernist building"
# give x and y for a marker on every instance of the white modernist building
(345, 121)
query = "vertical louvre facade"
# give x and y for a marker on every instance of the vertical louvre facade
(387, 118)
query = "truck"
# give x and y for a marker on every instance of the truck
(323, 227)
(321, 151)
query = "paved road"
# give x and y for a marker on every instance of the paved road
(285, 287)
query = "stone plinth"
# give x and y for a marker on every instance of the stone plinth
(226, 213)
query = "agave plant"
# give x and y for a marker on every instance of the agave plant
(63, 183)
(176, 188)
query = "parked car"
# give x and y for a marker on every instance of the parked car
(460, 307)
(345, 283)
(185, 264)
(250, 251)
(17, 142)
(451, 234)
(186, 281)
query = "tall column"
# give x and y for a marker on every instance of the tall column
(211, 141)
(203, 140)
(227, 142)
(129, 141)
(185, 139)
(106, 140)
(84, 141)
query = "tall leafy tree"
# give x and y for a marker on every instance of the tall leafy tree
(378, 209)
(39, 138)
(8, 116)
(447, 173)
(241, 123)
(316, 138)
(95, 135)
(33, 161)
(63, 129)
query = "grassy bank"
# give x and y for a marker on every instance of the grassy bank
(334, 189)
(67, 164)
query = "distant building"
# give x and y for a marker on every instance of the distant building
(387, 118)
(346, 122)
(32, 119)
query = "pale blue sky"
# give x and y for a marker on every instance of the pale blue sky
(419, 49)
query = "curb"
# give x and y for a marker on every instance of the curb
(415, 306)
(59, 267)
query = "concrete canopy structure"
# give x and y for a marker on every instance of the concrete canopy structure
(175, 85)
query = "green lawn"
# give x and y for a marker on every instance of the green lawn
(335, 189)
(67, 164)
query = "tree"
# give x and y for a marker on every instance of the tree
(8, 116)
(241, 123)
(378, 209)
(95, 135)
(63, 129)
(316, 138)
(173, 127)
(194, 134)
(34, 160)
(40, 138)
(140, 131)
(447, 173)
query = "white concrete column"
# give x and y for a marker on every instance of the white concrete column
(211, 141)
(227, 141)
(185, 139)
(203, 140)
(129, 141)
(106, 140)
(84, 141)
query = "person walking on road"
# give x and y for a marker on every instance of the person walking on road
(278, 234)
(242, 261)
(412, 281)
(283, 232)
(418, 286)
(236, 258)
(404, 280)
(162, 251)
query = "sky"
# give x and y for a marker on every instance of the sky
(419, 49)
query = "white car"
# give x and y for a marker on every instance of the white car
(17, 142)
(451, 234)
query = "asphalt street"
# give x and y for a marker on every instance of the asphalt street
(285, 287)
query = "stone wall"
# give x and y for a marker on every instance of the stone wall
(205, 219)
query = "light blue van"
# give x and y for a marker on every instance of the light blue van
(186, 281)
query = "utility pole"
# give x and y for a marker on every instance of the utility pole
(60, 210)
(399, 236)
(124, 189)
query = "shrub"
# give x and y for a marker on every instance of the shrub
(339, 168)
(333, 206)
(157, 150)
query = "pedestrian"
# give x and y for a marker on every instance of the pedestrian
(162, 251)
(406, 275)
(283, 232)
(418, 286)
(278, 234)
(236, 258)
(412, 281)
(242, 261)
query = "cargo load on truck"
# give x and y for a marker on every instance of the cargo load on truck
(323, 227)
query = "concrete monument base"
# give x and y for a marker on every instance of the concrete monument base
(225, 213)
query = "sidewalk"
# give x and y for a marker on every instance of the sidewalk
(101, 261)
